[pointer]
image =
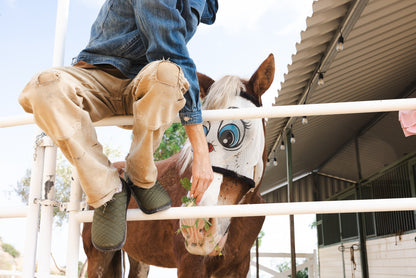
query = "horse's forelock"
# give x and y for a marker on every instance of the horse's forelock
(222, 92)
(220, 96)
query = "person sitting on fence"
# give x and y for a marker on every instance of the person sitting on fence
(136, 63)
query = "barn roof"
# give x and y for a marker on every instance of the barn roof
(378, 61)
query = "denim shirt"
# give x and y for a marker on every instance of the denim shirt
(129, 34)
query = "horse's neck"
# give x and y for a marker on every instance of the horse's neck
(164, 165)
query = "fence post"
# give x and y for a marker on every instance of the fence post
(74, 229)
(50, 150)
(32, 222)
(47, 207)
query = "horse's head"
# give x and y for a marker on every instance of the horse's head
(237, 153)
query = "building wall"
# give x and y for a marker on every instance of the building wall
(331, 262)
(388, 257)
(392, 256)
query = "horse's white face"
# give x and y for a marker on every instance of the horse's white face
(236, 149)
(236, 146)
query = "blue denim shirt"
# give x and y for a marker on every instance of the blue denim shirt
(129, 34)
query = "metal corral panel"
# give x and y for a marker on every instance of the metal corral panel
(313, 187)
(378, 62)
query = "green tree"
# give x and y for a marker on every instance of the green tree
(8, 248)
(313, 225)
(172, 142)
(286, 266)
(283, 266)
(302, 273)
(260, 238)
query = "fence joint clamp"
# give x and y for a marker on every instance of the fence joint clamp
(47, 203)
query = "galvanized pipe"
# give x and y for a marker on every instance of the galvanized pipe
(60, 33)
(320, 109)
(32, 221)
(45, 233)
(46, 210)
(290, 200)
(321, 207)
(74, 227)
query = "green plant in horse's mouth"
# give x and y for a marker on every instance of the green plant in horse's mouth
(218, 249)
(190, 202)
(187, 201)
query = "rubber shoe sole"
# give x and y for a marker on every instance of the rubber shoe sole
(150, 200)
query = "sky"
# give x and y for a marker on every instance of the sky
(239, 41)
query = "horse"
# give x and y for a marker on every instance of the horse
(202, 247)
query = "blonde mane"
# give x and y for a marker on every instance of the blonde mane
(220, 96)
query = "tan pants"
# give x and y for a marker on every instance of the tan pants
(65, 102)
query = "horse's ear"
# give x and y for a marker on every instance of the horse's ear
(263, 77)
(205, 83)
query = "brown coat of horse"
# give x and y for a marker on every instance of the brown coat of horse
(158, 243)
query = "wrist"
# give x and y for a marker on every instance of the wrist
(198, 140)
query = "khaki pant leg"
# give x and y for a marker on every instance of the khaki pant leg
(64, 101)
(158, 96)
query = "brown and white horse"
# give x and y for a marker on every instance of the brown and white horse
(204, 247)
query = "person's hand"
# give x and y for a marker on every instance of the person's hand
(202, 174)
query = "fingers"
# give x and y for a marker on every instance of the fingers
(200, 184)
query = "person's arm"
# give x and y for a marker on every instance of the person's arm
(167, 32)
(202, 174)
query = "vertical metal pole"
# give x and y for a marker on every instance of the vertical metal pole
(60, 33)
(50, 151)
(360, 218)
(257, 258)
(290, 199)
(74, 227)
(342, 244)
(32, 221)
(412, 173)
(315, 264)
(343, 260)
(46, 210)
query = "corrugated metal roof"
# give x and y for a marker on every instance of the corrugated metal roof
(378, 62)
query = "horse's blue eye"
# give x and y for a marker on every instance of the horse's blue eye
(229, 136)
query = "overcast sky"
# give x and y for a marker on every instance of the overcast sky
(244, 34)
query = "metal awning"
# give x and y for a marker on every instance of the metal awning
(378, 61)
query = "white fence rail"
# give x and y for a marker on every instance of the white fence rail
(311, 263)
(16, 274)
(340, 108)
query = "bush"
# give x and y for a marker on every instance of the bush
(10, 249)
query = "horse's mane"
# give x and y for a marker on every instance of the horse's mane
(220, 96)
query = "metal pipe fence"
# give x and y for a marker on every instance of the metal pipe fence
(45, 157)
